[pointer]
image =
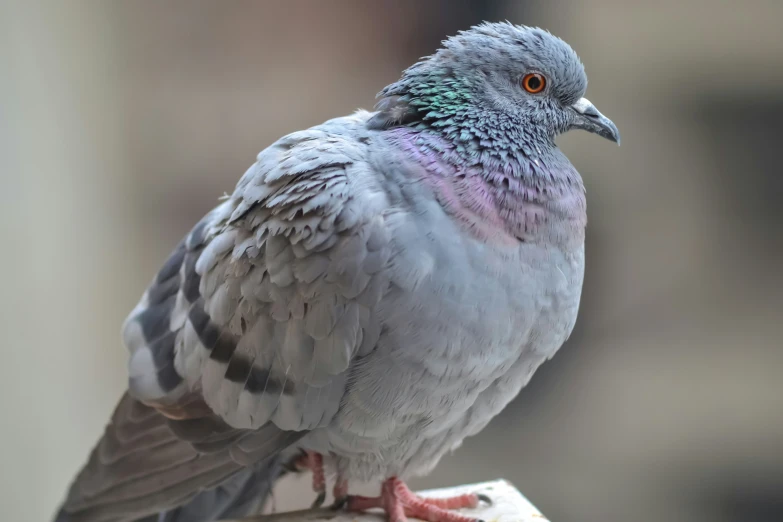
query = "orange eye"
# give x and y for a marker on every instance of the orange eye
(534, 83)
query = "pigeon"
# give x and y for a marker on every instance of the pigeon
(374, 291)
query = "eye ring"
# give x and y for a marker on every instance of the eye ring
(534, 83)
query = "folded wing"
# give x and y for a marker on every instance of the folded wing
(244, 340)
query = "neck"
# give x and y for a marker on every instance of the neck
(505, 192)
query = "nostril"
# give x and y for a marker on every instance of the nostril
(592, 112)
(585, 108)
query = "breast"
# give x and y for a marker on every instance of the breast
(471, 313)
(460, 315)
(455, 350)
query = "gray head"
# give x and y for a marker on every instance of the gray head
(516, 84)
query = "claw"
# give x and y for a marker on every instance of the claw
(484, 498)
(339, 503)
(319, 500)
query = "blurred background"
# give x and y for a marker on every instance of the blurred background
(121, 123)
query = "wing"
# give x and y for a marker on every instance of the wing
(243, 341)
(263, 307)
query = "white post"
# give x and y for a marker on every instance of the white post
(508, 505)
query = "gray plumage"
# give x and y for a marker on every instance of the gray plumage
(376, 289)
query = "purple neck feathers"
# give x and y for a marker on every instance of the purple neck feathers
(505, 200)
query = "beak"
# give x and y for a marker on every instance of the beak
(588, 118)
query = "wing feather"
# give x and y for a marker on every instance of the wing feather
(289, 270)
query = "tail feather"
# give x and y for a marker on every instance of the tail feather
(143, 471)
(244, 494)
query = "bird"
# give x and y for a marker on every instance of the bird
(375, 289)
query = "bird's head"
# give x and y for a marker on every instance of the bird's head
(496, 81)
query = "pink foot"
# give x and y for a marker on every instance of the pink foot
(399, 502)
(315, 463)
(340, 491)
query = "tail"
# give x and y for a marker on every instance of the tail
(141, 471)
(241, 495)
